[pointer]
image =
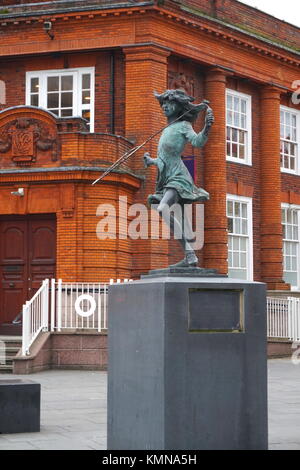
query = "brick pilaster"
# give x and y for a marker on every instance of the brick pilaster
(271, 227)
(216, 236)
(145, 72)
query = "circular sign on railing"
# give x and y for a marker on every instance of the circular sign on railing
(90, 311)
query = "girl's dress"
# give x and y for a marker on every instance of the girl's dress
(172, 172)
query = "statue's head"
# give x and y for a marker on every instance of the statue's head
(183, 100)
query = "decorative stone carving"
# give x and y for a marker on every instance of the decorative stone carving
(25, 138)
(181, 81)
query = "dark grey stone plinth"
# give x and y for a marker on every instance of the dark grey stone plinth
(187, 366)
(19, 406)
(182, 272)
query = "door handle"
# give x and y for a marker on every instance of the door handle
(11, 284)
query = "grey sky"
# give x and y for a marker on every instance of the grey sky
(288, 10)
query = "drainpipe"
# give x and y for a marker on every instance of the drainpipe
(112, 92)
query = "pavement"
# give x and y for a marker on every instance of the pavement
(73, 410)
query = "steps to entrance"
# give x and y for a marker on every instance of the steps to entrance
(9, 347)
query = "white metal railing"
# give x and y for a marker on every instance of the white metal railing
(72, 305)
(79, 305)
(294, 319)
(35, 316)
(283, 318)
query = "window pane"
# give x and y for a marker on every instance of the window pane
(53, 83)
(237, 273)
(86, 81)
(54, 111)
(66, 100)
(243, 121)
(67, 82)
(234, 135)
(86, 97)
(295, 218)
(229, 207)
(230, 225)
(237, 208)
(292, 163)
(242, 151)
(236, 103)
(229, 118)
(243, 261)
(241, 137)
(236, 120)
(236, 244)
(228, 133)
(234, 150)
(52, 100)
(243, 244)
(66, 112)
(236, 260)
(292, 149)
(86, 114)
(34, 100)
(291, 278)
(237, 226)
(34, 85)
(228, 149)
(243, 106)
(244, 227)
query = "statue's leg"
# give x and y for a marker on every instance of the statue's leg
(170, 198)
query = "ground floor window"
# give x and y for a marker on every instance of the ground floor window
(240, 252)
(291, 262)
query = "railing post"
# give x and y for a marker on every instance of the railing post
(45, 305)
(52, 324)
(99, 308)
(59, 293)
(25, 327)
(105, 289)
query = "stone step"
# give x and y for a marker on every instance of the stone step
(11, 339)
(6, 368)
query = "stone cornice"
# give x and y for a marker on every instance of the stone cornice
(65, 174)
(218, 29)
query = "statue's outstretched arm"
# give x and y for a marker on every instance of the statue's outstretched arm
(199, 140)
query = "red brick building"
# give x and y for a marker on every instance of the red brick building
(64, 60)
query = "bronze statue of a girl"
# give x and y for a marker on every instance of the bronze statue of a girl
(174, 182)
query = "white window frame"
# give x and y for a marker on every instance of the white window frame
(297, 208)
(77, 73)
(297, 142)
(248, 201)
(248, 150)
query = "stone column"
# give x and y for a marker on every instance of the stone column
(145, 72)
(271, 226)
(216, 236)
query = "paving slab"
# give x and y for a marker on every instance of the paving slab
(73, 410)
